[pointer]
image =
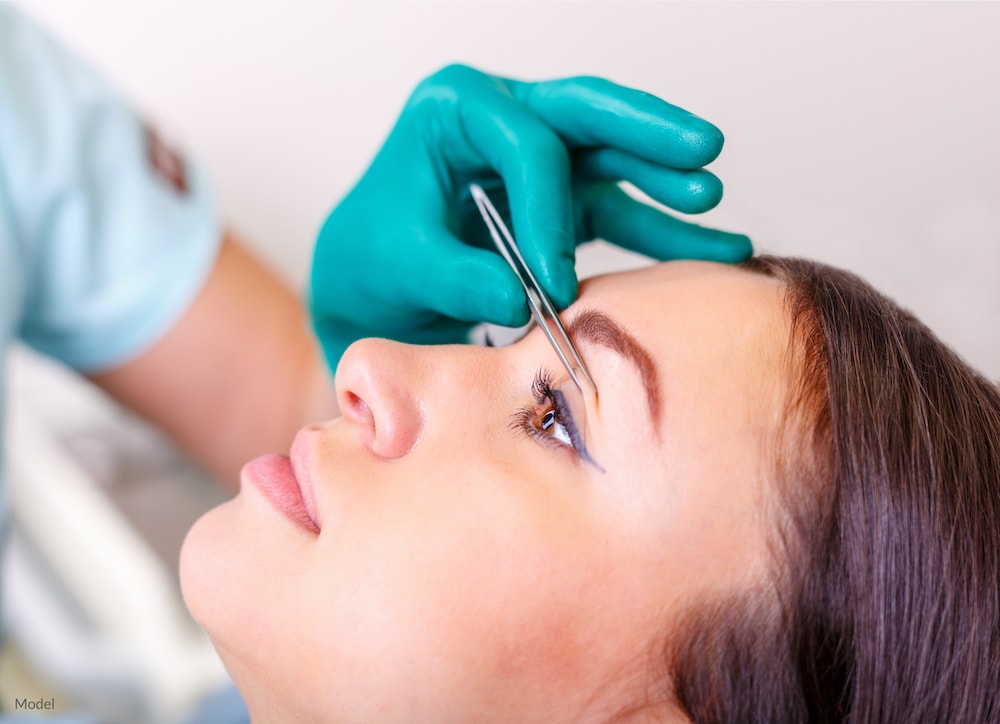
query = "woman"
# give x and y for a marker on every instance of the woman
(793, 516)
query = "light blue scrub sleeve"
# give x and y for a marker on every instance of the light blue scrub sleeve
(106, 235)
(117, 232)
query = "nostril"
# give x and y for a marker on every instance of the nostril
(375, 391)
(354, 408)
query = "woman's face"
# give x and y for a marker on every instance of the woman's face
(468, 565)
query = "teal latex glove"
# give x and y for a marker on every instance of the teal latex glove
(406, 255)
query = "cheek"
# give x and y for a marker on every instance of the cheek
(713, 535)
(483, 587)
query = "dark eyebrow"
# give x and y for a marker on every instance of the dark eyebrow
(598, 328)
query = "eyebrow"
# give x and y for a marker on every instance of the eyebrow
(598, 328)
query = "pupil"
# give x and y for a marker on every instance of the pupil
(549, 419)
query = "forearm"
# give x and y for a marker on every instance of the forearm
(237, 375)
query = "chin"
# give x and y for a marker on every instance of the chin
(202, 563)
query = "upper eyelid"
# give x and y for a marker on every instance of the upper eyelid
(522, 420)
(543, 392)
(573, 426)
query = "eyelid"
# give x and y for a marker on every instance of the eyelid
(561, 406)
(575, 416)
(545, 391)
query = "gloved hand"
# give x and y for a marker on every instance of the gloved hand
(406, 255)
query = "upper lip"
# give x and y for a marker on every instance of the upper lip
(299, 455)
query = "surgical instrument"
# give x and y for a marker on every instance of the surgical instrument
(538, 302)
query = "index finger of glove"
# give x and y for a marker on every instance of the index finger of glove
(589, 111)
(534, 165)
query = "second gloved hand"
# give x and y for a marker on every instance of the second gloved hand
(406, 256)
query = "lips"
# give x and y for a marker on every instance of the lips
(275, 477)
(300, 465)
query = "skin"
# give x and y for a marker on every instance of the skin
(237, 374)
(466, 572)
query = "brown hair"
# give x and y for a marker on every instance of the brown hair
(885, 601)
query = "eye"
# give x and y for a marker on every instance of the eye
(554, 420)
(551, 424)
(550, 421)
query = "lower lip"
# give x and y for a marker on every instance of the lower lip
(273, 475)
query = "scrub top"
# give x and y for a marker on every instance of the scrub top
(106, 234)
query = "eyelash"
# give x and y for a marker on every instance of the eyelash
(526, 419)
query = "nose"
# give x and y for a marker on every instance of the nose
(375, 383)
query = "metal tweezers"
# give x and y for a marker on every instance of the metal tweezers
(541, 308)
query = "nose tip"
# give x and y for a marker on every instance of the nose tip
(375, 391)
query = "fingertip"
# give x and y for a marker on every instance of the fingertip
(519, 315)
(558, 279)
(499, 297)
(567, 286)
(620, 219)
(714, 139)
(703, 191)
(735, 248)
(507, 307)
(704, 142)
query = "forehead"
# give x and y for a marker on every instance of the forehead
(726, 284)
(693, 296)
(718, 334)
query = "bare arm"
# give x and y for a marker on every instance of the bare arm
(237, 375)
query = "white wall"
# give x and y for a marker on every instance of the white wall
(861, 134)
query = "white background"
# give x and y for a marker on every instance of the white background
(861, 134)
